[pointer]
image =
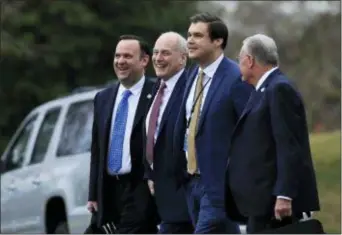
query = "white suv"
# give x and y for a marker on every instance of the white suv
(45, 169)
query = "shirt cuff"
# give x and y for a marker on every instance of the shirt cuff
(286, 198)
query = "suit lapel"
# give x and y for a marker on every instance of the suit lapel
(215, 83)
(191, 79)
(149, 104)
(182, 112)
(175, 93)
(109, 112)
(153, 93)
(254, 97)
(145, 98)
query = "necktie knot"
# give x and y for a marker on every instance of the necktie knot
(126, 94)
(162, 86)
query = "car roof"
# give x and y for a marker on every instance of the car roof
(78, 94)
(65, 100)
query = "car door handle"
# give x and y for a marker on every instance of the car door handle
(36, 181)
(12, 187)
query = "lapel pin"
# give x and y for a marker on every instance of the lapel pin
(149, 96)
(262, 89)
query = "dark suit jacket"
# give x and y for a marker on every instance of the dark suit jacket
(170, 200)
(222, 107)
(103, 109)
(270, 152)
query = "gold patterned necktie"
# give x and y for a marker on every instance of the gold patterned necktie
(192, 162)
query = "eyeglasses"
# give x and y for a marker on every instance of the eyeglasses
(239, 59)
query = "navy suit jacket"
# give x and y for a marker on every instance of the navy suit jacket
(103, 111)
(270, 152)
(170, 199)
(222, 107)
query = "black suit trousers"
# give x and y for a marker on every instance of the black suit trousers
(124, 196)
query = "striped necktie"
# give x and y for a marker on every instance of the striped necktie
(192, 162)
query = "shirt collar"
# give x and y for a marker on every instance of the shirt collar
(211, 69)
(264, 77)
(171, 82)
(135, 89)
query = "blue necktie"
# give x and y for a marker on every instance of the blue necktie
(118, 135)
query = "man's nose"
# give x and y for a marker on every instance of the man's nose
(158, 57)
(120, 60)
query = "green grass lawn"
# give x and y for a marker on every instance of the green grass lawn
(326, 151)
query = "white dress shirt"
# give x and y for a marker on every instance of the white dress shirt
(264, 77)
(209, 73)
(170, 85)
(133, 101)
(258, 85)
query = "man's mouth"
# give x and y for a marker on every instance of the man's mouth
(160, 66)
(122, 69)
(192, 48)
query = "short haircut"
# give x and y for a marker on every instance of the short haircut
(182, 43)
(263, 48)
(216, 27)
(144, 46)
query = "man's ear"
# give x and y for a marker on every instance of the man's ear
(184, 58)
(145, 59)
(251, 61)
(218, 42)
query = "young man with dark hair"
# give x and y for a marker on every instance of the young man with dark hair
(213, 101)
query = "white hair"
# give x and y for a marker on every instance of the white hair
(182, 42)
(263, 48)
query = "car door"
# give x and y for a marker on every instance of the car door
(6, 180)
(74, 149)
(35, 176)
(15, 158)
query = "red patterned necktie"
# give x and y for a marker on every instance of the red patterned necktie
(152, 124)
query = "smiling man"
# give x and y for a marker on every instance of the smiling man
(213, 101)
(117, 189)
(169, 61)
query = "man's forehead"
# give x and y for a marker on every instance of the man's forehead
(198, 27)
(126, 44)
(165, 43)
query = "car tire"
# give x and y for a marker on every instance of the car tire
(62, 228)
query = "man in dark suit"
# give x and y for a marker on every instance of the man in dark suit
(270, 173)
(117, 189)
(169, 61)
(213, 100)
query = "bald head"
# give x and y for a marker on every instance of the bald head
(169, 54)
(179, 42)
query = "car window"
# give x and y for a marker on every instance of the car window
(18, 151)
(77, 129)
(44, 136)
